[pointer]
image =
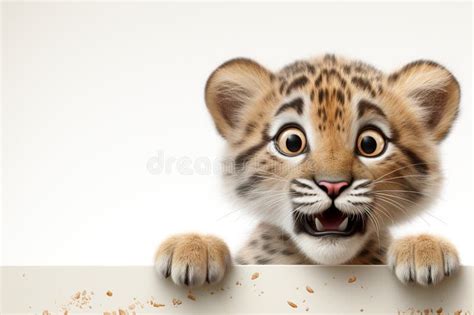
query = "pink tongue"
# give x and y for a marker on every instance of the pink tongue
(331, 219)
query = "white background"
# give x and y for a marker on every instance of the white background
(93, 92)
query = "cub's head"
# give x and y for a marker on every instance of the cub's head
(331, 150)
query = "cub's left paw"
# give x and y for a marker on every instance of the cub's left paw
(425, 259)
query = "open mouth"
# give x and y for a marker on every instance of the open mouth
(330, 222)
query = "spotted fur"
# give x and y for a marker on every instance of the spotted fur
(332, 99)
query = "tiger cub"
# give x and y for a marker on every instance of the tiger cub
(327, 154)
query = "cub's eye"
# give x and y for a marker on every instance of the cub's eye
(291, 141)
(371, 143)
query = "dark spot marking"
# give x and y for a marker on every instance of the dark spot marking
(245, 156)
(363, 84)
(186, 276)
(271, 251)
(321, 96)
(418, 163)
(318, 81)
(340, 97)
(302, 185)
(349, 94)
(244, 189)
(263, 261)
(287, 252)
(298, 67)
(282, 87)
(266, 237)
(376, 261)
(365, 106)
(250, 127)
(297, 83)
(241, 261)
(325, 115)
(330, 57)
(379, 89)
(343, 83)
(393, 77)
(296, 104)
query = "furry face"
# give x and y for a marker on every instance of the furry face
(329, 150)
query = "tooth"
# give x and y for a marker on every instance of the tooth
(319, 225)
(342, 227)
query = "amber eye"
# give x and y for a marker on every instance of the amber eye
(291, 141)
(371, 143)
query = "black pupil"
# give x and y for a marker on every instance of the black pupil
(293, 143)
(368, 144)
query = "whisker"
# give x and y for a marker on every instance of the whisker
(401, 168)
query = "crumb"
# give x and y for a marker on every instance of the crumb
(458, 312)
(309, 289)
(352, 279)
(361, 310)
(131, 307)
(191, 297)
(122, 312)
(46, 313)
(158, 304)
(76, 296)
(211, 293)
(307, 309)
(293, 305)
(255, 276)
(439, 310)
(107, 313)
(177, 302)
(109, 293)
(238, 283)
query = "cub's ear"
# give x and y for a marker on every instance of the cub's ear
(433, 90)
(232, 87)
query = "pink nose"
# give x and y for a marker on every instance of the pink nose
(333, 189)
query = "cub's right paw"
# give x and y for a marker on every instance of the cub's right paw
(192, 259)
